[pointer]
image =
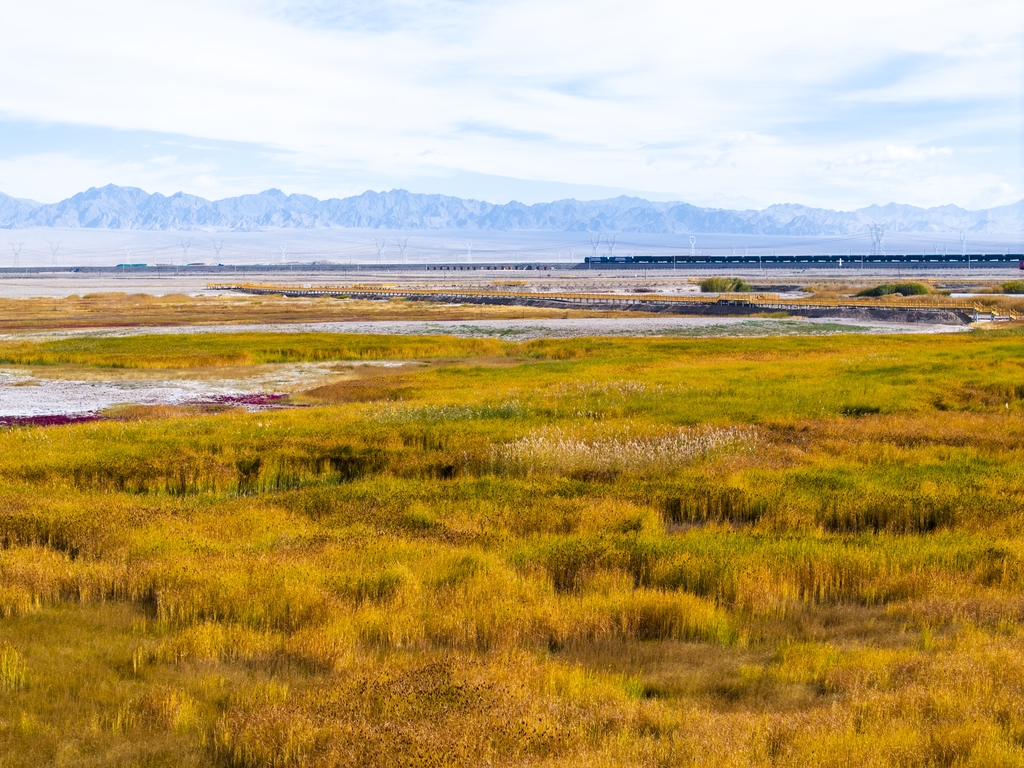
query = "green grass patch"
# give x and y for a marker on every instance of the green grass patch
(889, 289)
(723, 285)
(1015, 287)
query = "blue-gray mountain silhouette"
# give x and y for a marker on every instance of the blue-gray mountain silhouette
(114, 207)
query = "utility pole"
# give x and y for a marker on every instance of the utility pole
(16, 249)
(53, 252)
(186, 246)
(878, 239)
(595, 243)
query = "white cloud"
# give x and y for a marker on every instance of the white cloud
(740, 98)
(53, 176)
(891, 155)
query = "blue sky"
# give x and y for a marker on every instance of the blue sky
(732, 103)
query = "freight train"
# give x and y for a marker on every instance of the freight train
(781, 260)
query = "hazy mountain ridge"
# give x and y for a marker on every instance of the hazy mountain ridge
(114, 207)
(12, 208)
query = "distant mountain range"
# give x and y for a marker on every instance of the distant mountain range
(113, 207)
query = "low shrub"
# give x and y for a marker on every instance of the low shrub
(723, 285)
(889, 289)
(1015, 287)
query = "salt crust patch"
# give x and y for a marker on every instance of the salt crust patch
(22, 395)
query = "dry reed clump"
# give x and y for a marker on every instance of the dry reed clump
(211, 642)
(57, 521)
(381, 388)
(705, 502)
(275, 598)
(893, 512)
(858, 702)
(555, 451)
(13, 671)
(963, 603)
(440, 711)
(648, 615)
(911, 498)
(981, 396)
(945, 706)
(766, 578)
(162, 708)
(377, 587)
(219, 644)
(990, 432)
(34, 577)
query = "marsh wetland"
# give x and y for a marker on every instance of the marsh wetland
(465, 549)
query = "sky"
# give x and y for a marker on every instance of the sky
(731, 103)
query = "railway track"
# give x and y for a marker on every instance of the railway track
(733, 303)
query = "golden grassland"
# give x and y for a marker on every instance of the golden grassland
(799, 551)
(116, 310)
